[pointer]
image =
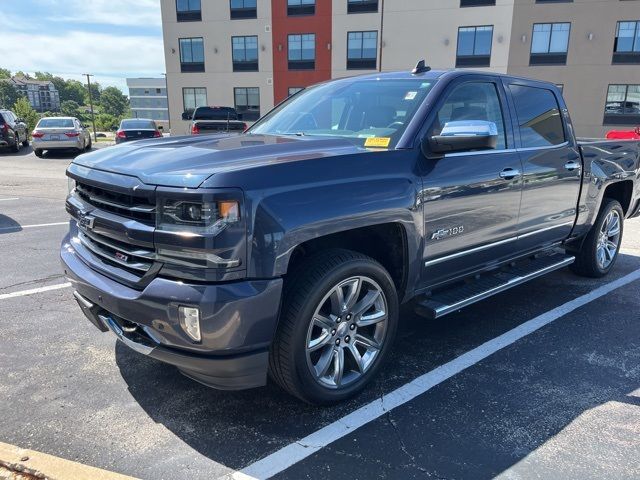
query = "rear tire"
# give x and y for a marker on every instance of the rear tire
(312, 340)
(25, 142)
(38, 152)
(88, 146)
(600, 248)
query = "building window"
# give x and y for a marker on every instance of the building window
(301, 7)
(247, 102)
(549, 43)
(191, 55)
(294, 90)
(362, 50)
(476, 3)
(188, 10)
(623, 105)
(193, 98)
(302, 51)
(362, 6)
(245, 54)
(244, 9)
(626, 48)
(474, 46)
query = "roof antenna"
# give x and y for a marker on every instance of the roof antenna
(421, 67)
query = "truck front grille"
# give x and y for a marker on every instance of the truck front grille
(134, 259)
(129, 206)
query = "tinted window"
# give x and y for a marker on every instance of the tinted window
(55, 123)
(137, 125)
(538, 116)
(473, 101)
(215, 113)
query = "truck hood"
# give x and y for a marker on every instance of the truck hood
(189, 161)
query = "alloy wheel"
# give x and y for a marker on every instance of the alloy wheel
(347, 332)
(608, 240)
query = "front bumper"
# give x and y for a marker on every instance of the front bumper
(238, 321)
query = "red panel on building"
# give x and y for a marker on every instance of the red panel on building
(284, 25)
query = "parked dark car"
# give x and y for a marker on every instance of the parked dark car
(288, 250)
(216, 120)
(137, 129)
(13, 131)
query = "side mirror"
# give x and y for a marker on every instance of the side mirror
(461, 136)
(19, 120)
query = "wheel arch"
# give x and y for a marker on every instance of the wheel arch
(386, 243)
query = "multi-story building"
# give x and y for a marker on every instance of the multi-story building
(148, 99)
(252, 54)
(43, 95)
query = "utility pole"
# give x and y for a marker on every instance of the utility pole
(381, 32)
(166, 87)
(93, 117)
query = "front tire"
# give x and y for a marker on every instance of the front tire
(600, 249)
(16, 146)
(338, 322)
(38, 152)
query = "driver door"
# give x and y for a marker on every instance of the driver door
(471, 199)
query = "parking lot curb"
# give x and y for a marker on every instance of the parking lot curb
(32, 464)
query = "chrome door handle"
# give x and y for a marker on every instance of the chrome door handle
(571, 166)
(509, 173)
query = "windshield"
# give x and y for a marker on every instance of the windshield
(370, 112)
(138, 125)
(55, 123)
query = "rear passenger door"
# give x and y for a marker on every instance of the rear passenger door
(551, 163)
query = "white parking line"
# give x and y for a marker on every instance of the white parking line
(22, 293)
(18, 227)
(295, 452)
(7, 199)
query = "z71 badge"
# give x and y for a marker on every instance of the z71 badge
(447, 232)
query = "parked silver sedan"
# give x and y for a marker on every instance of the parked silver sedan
(60, 133)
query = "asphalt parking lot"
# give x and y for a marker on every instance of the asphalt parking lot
(562, 401)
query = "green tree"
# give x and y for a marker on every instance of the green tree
(106, 122)
(20, 73)
(114, 102)
(23, 109)
(71, 90)
(96, 93)
(5, 73)
(44, 76)
(9, 94)
(70, 108)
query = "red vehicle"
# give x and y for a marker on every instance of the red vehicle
(624, 134)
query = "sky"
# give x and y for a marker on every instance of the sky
(111, 39)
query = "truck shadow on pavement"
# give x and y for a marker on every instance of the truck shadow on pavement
(475, 425)
(9, 225)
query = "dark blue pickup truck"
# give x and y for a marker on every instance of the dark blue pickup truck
(287, 250)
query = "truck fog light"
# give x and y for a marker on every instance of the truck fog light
(190, 321)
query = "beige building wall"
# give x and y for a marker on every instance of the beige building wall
(589, 70)
(219, 79)
(342, 24)
(416, 29)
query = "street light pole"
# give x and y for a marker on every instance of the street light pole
(93, 117)
(166, 87)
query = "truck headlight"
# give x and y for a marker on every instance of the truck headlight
(196, 216)
(71, 185)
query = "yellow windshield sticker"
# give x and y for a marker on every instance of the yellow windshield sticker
(379, 142)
